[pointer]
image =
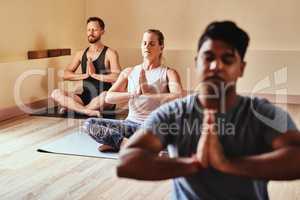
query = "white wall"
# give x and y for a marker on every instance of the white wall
(272, 24)
(36, 25)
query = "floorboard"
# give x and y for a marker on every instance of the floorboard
(28, 174)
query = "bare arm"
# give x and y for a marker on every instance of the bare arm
(140, 160)
(113, 59)
(174, 82)
(281, 164)
(69, 72)
(118, 91)
(115, 95)
(163, 97)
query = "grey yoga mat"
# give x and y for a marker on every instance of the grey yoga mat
(77, 143)
(53, 112)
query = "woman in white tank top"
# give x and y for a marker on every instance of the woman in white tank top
(145, 87)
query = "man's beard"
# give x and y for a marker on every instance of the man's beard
(93, 40)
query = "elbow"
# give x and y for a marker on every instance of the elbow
(122, 171)
(123, 167)
(181, 93)
(108, 98)
(65, 76)
(184, 93)
(290, 138)
(131, 163)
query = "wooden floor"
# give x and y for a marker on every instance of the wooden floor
(27, 174)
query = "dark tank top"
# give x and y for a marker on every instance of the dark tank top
(91, 86)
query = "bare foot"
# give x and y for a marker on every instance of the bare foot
(93, 113)
(62, 110)
(105, 147)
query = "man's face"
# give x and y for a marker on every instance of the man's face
(150, 46)
(219, 66)
(94, 32)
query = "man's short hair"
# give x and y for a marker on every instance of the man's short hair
(159, 34)
(96, 19)
(228, 32)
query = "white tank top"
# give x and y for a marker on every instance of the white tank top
(141, 107)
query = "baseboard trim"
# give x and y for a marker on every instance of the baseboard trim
(8, 113)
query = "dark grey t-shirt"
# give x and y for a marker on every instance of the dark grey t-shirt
(247, 129)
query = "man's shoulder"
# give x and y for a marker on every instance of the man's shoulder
(258, 104)
(111, 52)
(267, 113)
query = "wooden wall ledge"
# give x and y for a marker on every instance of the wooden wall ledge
(48, 53)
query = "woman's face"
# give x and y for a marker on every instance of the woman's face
(151, 49)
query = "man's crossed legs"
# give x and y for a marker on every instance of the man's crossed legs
(74, 102)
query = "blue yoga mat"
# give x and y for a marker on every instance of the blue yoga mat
(77, 143)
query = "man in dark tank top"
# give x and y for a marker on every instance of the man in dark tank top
(100, 68)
